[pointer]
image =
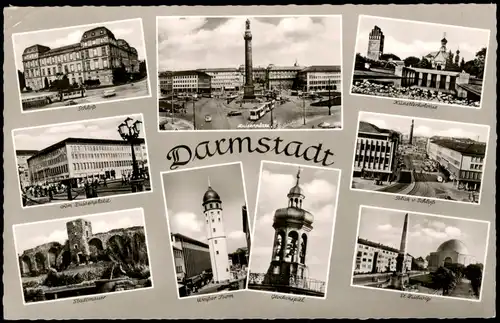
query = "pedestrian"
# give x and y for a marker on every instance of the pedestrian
(105, 183)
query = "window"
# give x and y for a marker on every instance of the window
(213, 229)
(216, 252)
(105, 63)
(227, 269)
(215, 241)
(213, 220)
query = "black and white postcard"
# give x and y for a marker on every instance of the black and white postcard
(236, 72)
(81, 160)
(293, 231)
(81, 65)
(420, 61)
(209, 230)
(416, 253)
(420, 157)
(80, 257)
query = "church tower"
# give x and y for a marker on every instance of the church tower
(443, 43)
(216, 235)
(292, 226)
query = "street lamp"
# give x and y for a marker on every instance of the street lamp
(129, 131)
(329, 98)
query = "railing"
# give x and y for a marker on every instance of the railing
(285, 280)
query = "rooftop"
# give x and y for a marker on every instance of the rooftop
(25, 152)
(465, 147)
(71, 140)
(376, 245)
(322, 68)
(190, 240)
(371, 128)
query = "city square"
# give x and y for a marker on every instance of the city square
(198, 90)
(81, 65)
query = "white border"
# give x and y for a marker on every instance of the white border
(74, 218)
(89, 103)
(418, 196)
(333, 225)
(255, 129)
(410, 214)
(162, 176)
(413, 100)
(73, 122)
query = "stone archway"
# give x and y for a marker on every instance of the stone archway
(52, 257)
(26, 265)
(66, 259)
(40, 261)
(448, 261)
(303, 249)
(96, 248)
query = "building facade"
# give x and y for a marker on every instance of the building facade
(191, 82)
(375, 44)
(165, 82)
(78, 159)
(320, 78)
(93, 58)
(375, 153)
(224, 79)
(462, 159)
(191, 257)
(216, 236)
(246, 228)
(439, 58)
(372, 257)
(22, 157)
(450, 252)
(282, 77)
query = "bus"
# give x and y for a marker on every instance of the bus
(72, 94)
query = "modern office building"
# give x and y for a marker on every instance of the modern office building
(191, 81)
(224, 79)
(282, 77)
(165, 82)
(77, 159)
(93, 58)
(320, 78)
(375, 153)
(191, 257)
(372, 257)
(463, 159)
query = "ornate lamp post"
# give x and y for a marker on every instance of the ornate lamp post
(129, 131)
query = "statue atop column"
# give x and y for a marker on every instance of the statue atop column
(248, 90)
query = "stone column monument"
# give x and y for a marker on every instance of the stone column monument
(248, 89)
(400, 277)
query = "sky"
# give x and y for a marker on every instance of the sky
(427, 127)
(200, 42)
(320, 190)
(129, 30)
(34, 234)
(381, 226)
(427, 232)
(41, 137)
(184, 192)
(406, 38)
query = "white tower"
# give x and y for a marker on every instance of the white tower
(216, 235)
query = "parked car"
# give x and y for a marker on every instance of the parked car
(109, 93)
(208, 118)
(233, 113)
(326, 125)
(71, 103)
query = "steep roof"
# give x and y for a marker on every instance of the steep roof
(67, 48)
(97, 32)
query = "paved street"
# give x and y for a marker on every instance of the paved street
(285, 116)
(125, 91)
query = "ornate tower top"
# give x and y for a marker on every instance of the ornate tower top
(247, 23)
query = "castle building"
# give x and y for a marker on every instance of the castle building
(22, 157)
(375, 44)
(216, 235)
(79, 158)
(463, 159)
(93, 58)
(450, 252)
(375, 153)
(82, 247)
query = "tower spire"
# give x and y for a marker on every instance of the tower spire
(209, 182)
(298, 176)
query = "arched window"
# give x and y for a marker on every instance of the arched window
(217, 252)
(75, 247)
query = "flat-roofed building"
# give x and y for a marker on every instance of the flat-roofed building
(191, 81)
(224, 79)
(373, 257)
(282, 77)
(22, 157)
(320, 78)
(190, 255)
(78, 159)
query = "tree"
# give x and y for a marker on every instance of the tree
(411, 61)
(424, 63)
(120, 75)
(479, 62)
(142, 68)
(443, 278)
(22, 81)
(474, 273)
(462, 64)
(386, 57)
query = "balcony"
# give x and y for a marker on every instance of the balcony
(293, 282)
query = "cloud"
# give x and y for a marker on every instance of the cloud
(385, 227)
(104, 226)
(325, 213)
(236, 235)
(319, 191)
(187, 43)
(66, 128)
(437, 224)
(57, 235)
(186, 222)
(266, 220)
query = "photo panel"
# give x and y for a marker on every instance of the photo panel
(81, 65)
(418, 157)
(209, 230)
(89, 255)
(82, 160)
(420, 61)
(293, 229)
(417, 253)
(249, 73)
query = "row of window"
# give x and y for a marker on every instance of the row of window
(101, 165)
(46, 161)
(470, 175)
(54, 171)
(372, 159)
(373, 147)
(102, 155)
(476, 159)
(476, 166)
(101, 147)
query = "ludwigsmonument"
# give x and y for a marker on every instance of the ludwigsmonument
(400, 278)
(248, 93)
